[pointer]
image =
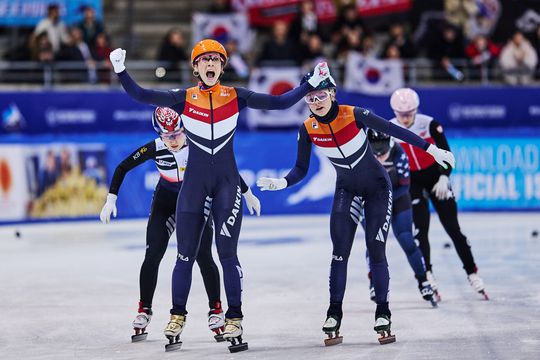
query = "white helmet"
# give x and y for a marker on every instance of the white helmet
(404, 100)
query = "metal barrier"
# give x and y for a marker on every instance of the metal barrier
(420, 71)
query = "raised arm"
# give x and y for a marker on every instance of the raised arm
(365, 118)
(167, 98)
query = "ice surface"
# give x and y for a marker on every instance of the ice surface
(70, 291)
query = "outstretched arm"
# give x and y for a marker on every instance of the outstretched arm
(147, 96)
(365, 118)
(248, 98)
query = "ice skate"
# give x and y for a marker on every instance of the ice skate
(140, 323)
(427, 293)
(434, 286)
(382, 327)
(478, 284)
(216, 323)
(173, 330)
(233, 333)
(331, 328)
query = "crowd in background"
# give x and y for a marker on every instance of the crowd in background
(464, 32)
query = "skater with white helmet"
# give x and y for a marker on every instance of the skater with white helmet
(430, 182)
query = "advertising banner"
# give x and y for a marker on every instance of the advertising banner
(30, 12)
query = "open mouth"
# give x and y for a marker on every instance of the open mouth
(210, 75)
(319, 108)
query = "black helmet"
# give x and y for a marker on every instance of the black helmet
(380, 142)
(328, 83)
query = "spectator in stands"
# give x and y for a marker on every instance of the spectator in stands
(41, 48)
(49, 172)
(518, 60)
(236, 62)
(446, 47)
(348, 22)
(352, 41)
(90, 27)
(220, 7)
(306, 23)
(482, 53)
(100, 52)
(77, 50)
(391, 52)
(401, 40)
(53, 27)
(369, 47)
(312, 51)
(536, 43)
(173, 52)
(279, 49)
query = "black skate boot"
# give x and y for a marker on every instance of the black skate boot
(426, 291)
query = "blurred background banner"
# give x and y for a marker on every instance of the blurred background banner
(382, 7)
(30, 12)
(223, 28)
(68, 178)
(372, 76)
(30, 112)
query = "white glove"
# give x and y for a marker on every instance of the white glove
(271, 184)
(443, 157)
(108, 209)
(320, 73)
(441, 189)
(118, 56)
(252, 202)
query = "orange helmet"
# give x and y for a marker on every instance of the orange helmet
(207, 46)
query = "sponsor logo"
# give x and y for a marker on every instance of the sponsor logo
(12, 118)
(197, 112)
(314, 125)
(70, 116)
(194, 96)
(459, 112)
(132, 115)
(231, 220)
(384, 229)
(365, 112)
(165, 163)
(315, 138)
(337, 258)
(182, 257)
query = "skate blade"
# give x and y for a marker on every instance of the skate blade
(433, 303)
(333, 341)
(386, 339)
(238, 347)
(173, 347)
(484, 294)
(139, 337)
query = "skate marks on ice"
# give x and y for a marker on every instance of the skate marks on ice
(78, 284)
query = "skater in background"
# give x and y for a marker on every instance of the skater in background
(430, 181)
(339, 131)
(169, 152)
(209, 113)
(396, 163)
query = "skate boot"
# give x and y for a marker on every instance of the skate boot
(173, 330)
(478, 284)
(233, 333)
(427, 292)
(434, 285)
(331, 328)
(140, 323)
(216, 321)
(382, 327)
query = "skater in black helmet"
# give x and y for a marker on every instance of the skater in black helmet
(430, 181)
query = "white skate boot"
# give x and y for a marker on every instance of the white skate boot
(173, 330)
(233, 333)
(140, 323)
(216, 323)
(382, 327)
(434, 285)
(477, 284)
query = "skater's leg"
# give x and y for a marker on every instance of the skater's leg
(447, 211)
(161, 224)
(343, 223)
(421, 221)
(190, 220)
(227, 213)
(402, 226)
(378, 214)
(208, 267)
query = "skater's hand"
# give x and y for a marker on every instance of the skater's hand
(108, 209)
(441, 189)
(320, 73)
(252, 202)
(271, 184)
(118, 56)
(443, 157)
